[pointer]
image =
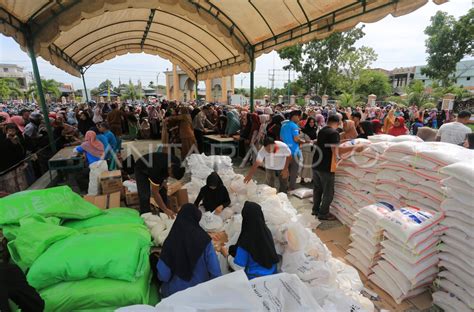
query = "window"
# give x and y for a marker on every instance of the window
(5, 69)
(468, 78)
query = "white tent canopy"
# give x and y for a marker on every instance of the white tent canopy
(208, 38)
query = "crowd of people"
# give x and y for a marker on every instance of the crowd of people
(100, 129)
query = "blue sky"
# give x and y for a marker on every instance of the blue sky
(397, 41)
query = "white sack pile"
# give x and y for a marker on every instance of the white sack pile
(455, 281)
(401, 173)
(366, 235)
(333, 284)
(159, 226)
(409, 258)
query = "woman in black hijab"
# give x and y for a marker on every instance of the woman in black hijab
(188, 257)
(367, 129)
(255, 249)
(84, 122)
(274, 127)
(214, 194)
(311, 128)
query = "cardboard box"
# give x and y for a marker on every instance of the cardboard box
(174, 187)
(111, 182)
(104, 201)
(131, 198)
(175, 201)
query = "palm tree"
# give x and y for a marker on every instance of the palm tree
(50, 89)
(348, 99)
(416, 93)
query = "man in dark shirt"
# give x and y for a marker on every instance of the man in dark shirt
(324, 167)
(152, 170)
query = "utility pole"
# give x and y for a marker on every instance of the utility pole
(289, 81)
(157, 75)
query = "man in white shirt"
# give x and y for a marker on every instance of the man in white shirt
(455, 132)
(277, 157)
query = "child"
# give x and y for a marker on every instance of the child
(214, 194)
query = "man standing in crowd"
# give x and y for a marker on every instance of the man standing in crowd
(290, 135)
(277, 157)
(324, 167)
(455, 132)
(200, 123)
(114, 119)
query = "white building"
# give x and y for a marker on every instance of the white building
(16, 72)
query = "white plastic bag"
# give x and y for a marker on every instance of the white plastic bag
(211, 222)
(302, 192)
(96, 170)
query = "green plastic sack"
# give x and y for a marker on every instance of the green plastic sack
(109, 217)
(10, 231)
(115, 255)
(136, 229)
(59, 202)
(99, 294)
(34, 237)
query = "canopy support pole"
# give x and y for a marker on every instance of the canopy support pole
(39, 87)
(196, 82)
(84, 83)
(252, 69)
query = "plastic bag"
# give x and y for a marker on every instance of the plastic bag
(302, 192)
(96, 170)
(110, 216)
(219, 294)
(211, 222)
(131, 186)
(284, 292)
(58, 201)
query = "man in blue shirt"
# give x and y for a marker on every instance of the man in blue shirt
(289, 134)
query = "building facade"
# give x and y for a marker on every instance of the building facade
(464, 75)
(16, 72)
(217, 89)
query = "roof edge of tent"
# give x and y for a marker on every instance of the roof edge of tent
(319, 28)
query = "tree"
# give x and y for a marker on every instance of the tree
(260, 92)
(105, 85)
(50, 89)
(373, 82)
(9, 87)
(130, 92)
(325, 64)
(449, 41)
(348, 99)
(416, 93)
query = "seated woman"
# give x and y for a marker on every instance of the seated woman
(92, 147)
(214, 195)
(188, 257)
(255, 249)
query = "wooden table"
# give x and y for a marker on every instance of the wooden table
(215, 144)
(66, 159)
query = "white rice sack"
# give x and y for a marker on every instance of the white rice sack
(380, 138)
(459, 225)
(465, 196)
(302, 192)
(463, 170)
(449, 303)
(450, 263)
(451, 204)
(453, 278)
(284, 292)
(308, 269)
(409, 223)
(211, 222)
(387, 175)
(296, 236)
(405, 138)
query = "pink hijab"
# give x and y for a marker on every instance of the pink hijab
(6, 116)
(19, 122)
(92, 145)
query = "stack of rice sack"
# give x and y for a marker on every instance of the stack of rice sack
(356, 181)
(335, 285)
(408, 261)
(455, 279)
(77, 256)
(366, 236)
